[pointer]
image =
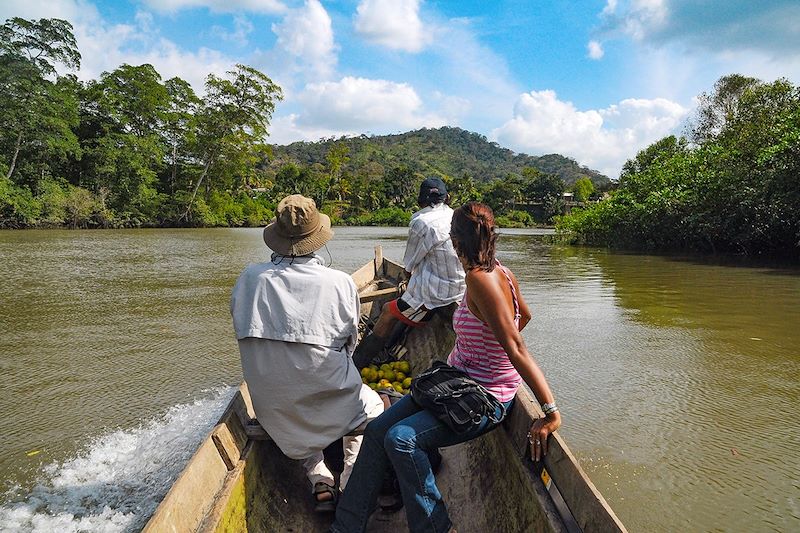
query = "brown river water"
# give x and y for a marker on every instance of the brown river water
(678, 378)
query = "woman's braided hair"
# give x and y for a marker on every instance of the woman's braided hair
(474, 235)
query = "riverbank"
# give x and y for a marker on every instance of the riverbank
(387, 217)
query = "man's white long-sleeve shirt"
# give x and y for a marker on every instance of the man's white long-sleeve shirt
(296, 300)
(296, 323)
(437, 277)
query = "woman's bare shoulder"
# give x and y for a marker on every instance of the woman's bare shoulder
(481, 280)
(476, 275)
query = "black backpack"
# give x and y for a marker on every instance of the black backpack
(455, 398)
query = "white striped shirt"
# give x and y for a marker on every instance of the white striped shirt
(437, 277)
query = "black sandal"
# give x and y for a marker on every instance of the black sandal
(324, 506)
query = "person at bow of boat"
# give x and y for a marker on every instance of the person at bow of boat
(296, 323)
(490, 349)
(435, 275)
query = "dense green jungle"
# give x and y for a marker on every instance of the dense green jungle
(731, 185)
(130, 149)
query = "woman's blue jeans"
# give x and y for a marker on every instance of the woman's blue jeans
(401, 437)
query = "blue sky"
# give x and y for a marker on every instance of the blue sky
(595, 80)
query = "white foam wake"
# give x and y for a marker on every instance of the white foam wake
(116, 483)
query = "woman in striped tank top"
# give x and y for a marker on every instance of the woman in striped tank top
(489, 319)
(490, 349)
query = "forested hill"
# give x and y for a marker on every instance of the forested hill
(451, 151)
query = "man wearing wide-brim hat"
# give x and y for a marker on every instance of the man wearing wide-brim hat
(296, 323)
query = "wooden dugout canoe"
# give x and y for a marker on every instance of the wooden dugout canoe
(238, 481)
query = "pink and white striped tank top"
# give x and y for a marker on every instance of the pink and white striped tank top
(478, 353)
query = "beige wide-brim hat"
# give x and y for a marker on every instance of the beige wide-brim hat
(298, 228)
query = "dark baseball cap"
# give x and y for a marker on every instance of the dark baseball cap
(432, 191)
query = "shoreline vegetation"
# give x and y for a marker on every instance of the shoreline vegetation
(730, 186)
(132, 150)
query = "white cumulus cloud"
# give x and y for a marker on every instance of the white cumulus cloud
(599, 138)
(595, 50)
(306, 35)
(392, 23)
(357, 105)
(104, 47)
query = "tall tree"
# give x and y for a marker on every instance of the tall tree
(719, 107)
(545, 188)
(179, 126)
(463, 189)
(124, 114)
(337, 158)
(501, 195)
(400, 187)
(232, 124)
(583, 188)
(293, 179)
(36, 116)
(37, 111)
(539, 186)
(734, 191)
(45, 43)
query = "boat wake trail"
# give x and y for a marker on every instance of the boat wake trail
(117, 481)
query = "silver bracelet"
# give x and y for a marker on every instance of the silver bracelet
(548, 408)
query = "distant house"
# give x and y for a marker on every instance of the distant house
(569, 201)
